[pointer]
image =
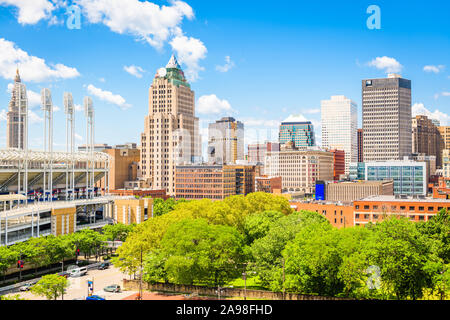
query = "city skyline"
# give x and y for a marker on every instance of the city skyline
(233, 80)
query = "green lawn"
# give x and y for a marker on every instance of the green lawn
(252, 284)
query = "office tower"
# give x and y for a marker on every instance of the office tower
(386, 105)
(171, 135)
(445, 135)
(426, 138)
(301, 133)
(360, 145)
(16, 116)
(225, 141)
(340, 127)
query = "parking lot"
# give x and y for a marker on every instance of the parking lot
(79, 288)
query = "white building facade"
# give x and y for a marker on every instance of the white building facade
(340, 127)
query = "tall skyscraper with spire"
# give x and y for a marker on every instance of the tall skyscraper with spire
(16, 116)
(171, 132)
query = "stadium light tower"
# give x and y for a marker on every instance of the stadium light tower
(21, 94)
(47, 107)
(89, 113)
(70, 133)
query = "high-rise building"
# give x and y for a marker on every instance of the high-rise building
(360, 145)
(445, 134)
(386, 107)
(426, 138)
(300, 133)
(17, 115)
(339, 127)
(225, 141)
(171, 132)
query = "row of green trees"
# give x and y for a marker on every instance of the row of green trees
(213, 243)
(43, 251)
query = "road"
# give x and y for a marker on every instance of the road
(78, 286)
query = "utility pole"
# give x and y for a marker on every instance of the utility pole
(284, 288)
(244, 274)
(140, 281)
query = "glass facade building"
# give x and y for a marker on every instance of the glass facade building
(410, 178)
(301, 133)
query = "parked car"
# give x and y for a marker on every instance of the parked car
(103, 266)
(112, 288)
(95, 298)
(26, 287)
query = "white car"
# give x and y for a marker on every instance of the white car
(26, 287)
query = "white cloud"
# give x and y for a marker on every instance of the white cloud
(30, 12)
(420, 109)
(34, 99)
(189, 51)
(134, 70)
(78, 137)
(108, 96)
(443, 94)
(145, 20)
(79, 107)
(435, 69)
(102, 80)
(31, 68)
(33, 117)
(296, 118)
(389, 65)
(3, 115)
(227, 66)
(152, 23)
(211, 104)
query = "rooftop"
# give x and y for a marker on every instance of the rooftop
(404, 199)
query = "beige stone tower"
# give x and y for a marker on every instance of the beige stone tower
(171, 131)
(15, 123)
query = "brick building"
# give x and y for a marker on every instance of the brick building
(374, 209)
(268, 184)
(339, 215)
(215, 182)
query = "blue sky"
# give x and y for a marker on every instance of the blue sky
(257, 61)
